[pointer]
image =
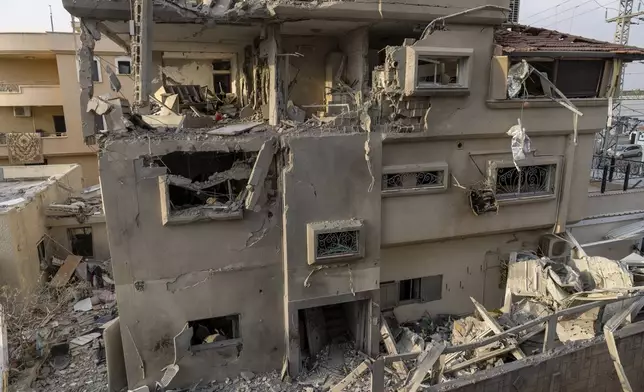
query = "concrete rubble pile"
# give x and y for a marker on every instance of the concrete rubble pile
(536, 288)
(63, 348)
(82, 207)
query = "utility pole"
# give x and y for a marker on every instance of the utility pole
(51, 18)
(622, 33)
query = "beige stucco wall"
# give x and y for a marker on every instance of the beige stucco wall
(41, 118)
(28, 71)
(100, 242)
(24, 227)
(470, 268)
(55, 63)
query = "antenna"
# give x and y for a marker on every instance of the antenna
(51, 18)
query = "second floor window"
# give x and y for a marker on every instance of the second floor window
(574, 78)
(530, 181)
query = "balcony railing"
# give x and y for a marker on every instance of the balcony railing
(12, 94)
(617, 174)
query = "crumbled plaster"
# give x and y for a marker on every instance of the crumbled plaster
(193, 279)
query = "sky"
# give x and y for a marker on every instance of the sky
(580, 17)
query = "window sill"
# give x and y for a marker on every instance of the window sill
(525, 200)
(413, 191)
(439, 92)
(216, 345)
(543, 103)
(54, 137)
(201, 215)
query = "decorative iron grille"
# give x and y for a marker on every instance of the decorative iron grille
(343, 243)
(535, 180)
(413, 180)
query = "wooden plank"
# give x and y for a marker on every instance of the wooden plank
(387, 338)
(610, 327)
(66, 271)
(496, 328)
(430, 356)
(378, 376)
(478, 359)
(351, 377)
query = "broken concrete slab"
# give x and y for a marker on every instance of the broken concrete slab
(85, 339)
(235, 129)
(116, 373)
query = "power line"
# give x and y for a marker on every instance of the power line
(561, 12)
(583, 13)
(548, 9)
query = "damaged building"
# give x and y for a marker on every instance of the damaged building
(290, 171)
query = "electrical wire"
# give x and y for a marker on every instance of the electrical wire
(560, 12)
(548, 9)
(583, 13)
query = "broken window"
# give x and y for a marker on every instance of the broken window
(574, 78)
(42, 254)
(437, 71)
(426, 289)
(96, 70)
(530, 181)
(221, 70)
(81, 241)
(213, 330)
(409, 289)
(206, 179)
(123, 66)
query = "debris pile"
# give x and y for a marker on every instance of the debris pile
(82, 207)
(55, 344)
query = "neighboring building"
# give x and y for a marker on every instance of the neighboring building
(398, 193)
(39, 93)
(25, 193)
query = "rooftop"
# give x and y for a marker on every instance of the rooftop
(526, 39)
(21, 184)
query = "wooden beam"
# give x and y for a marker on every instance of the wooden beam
(478, 359)
(514, 331)
(431, 354)
(496, 328)
(378, 376)
(351, 377)
(387, 338)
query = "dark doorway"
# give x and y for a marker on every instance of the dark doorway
(59, 125)
(81, 241)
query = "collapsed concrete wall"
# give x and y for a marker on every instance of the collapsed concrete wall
(574, 368)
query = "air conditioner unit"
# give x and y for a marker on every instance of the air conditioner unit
(554, 247)
(22, 111)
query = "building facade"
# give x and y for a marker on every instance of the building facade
(379, 178)
(39, 93)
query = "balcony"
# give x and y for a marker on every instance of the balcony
(30, 95)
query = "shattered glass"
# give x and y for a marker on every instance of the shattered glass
(517, 74)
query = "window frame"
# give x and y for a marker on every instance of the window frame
(98, 69)
(416, 168)
(317, 228)
(223, 343)
(395, 285)
(494, 165)
(556, 74)
(413, 55)
(121, 59)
